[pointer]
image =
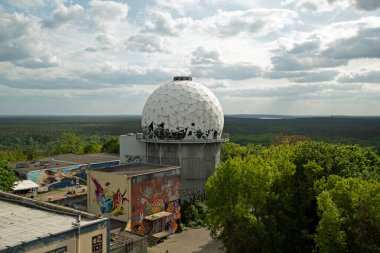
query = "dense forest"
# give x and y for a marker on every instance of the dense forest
(24, 138)
(302, 197)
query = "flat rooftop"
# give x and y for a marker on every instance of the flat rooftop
(25, 223)
(63, 160)
(137, 169)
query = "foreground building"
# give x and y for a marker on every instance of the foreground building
(30, 226)
(144, 196)
(182, 124)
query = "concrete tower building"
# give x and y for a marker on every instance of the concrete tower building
(182, 124)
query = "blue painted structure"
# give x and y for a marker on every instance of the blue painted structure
(55, 178)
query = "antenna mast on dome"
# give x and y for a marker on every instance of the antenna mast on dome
(182, 78)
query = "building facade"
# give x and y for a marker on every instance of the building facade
(129, 193)
(37, 227)
(197, 159)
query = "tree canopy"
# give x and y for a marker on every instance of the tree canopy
(7, 176)
(288, 198)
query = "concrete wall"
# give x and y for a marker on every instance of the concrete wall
(87, 240)
(131, 149)
(70, 242)
(140, 246)
(108, 194)
(154, 193)
(197, 162)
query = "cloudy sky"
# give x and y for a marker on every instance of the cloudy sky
(297, 57)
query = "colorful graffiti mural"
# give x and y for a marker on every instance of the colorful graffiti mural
(55, 178)
(109, 202)
(173, 222)
(151, 194)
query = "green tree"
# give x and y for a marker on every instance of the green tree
(349, 211)
(92, 147)
(238, 193)
(68, 143)
(12, 155)
(232, 150)
(111, 145)
(267, 202)
(7, 176)
(224, 203)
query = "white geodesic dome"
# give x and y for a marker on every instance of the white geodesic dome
(182, 110)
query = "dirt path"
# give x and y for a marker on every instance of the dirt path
(192, 240)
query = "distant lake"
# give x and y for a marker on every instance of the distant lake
(269, 118)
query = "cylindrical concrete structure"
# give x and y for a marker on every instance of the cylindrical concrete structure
(182, 123)
(197, 162)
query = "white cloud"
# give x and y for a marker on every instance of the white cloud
(331, 46)
(16, 25)
(251, 53)
(44, 61)
(364, 76)
(20, 38)
(208, 64)
(103, 14)
(147, 43)
(178, 6)
(63, 15)
(107, 41)
(203, 56)
(114, 74)
(321, 6)
(309, 92)
(255, 22)
(367, 5)
(215, 84)
(304, 76)
(364, 45)
(317, 6)
(160, 23)
(27, 4)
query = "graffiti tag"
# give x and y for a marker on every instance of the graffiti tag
(193, 194)
(134, 159)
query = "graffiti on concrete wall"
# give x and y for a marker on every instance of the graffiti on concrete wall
(159, 131)
(173, 222)
(134, 159)
(155, 193)
(110, 202)
(55, 178)
(193, 194)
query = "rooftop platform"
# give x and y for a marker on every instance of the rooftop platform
(150, 139)
(25, 220)
(135, 169)
(64, 160)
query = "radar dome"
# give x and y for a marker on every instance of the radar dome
(182, 110)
